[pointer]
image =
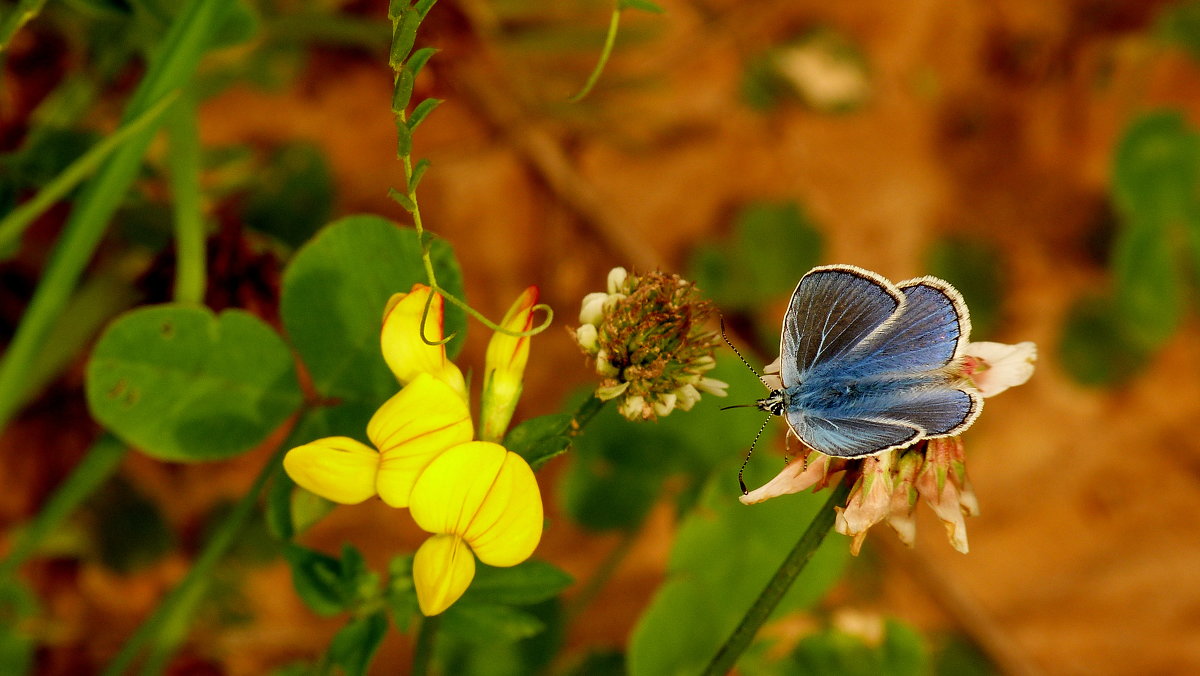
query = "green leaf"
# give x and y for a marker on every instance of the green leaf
(402, 91)
(240, 25)
(403, 37)
(422, 7)
(308, 509)
(524, 584)
(334, 292)
(771, 242)
(418, 171)
(317, 579)
(354, 646)
(278, 505)
(484, 643)
(180, 383)
(329, 585)
(902, 653)
(419, 59)
(403, 139)
(958, 656)
(129, 530)
(707, 594)
(1096, 348)
(422, 110)
(1155, 173)
(540, 439)
(402, 199)
(489, 623)
(1179, 24)
(400, 593)
(619, 466)
(642, 5)
(293, 194)
(974, 268)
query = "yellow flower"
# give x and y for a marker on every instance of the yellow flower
(504, 367)
(479, 500)
(409, 430)
(405, 353)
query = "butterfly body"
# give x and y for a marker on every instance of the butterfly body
(868, 366)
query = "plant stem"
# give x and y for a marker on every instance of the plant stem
(610, 40)
(778, 585)
(184, 173)
(423, 654)
(181, 49)
(588, 410)
(167, 625)
(99, 463)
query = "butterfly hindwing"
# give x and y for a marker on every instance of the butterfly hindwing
(939, 411)
(925, 335)
(833, 309)
(851, 437)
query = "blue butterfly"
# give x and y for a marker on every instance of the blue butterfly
(869, 366)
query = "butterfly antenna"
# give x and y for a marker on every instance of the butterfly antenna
(741, 481)
(739, 355)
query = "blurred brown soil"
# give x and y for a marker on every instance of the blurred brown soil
(1086, 558)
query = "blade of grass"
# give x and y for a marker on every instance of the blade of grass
(18, 16)
(172, 65)
(183, 165)
(13, 225)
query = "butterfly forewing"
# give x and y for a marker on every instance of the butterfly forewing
(925, 335)
(832, 310)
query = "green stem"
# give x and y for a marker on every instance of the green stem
(778, 585)
(100, 462)
(173, 65)
(610, 41)
(167, 626)
(184, 172)
(588, 410)
(423, 653)
(18, 16)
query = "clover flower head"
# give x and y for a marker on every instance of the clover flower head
(646, 338)
(888, 486)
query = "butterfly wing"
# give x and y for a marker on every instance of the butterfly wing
(866, 382)
(833, 309)
(930, 329)
(937, 411)
(851, 437)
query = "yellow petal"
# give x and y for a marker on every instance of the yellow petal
(411, 429)
(443, 568)
(485, 494)
(504, 367)
(335, 468)
(405, 353)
